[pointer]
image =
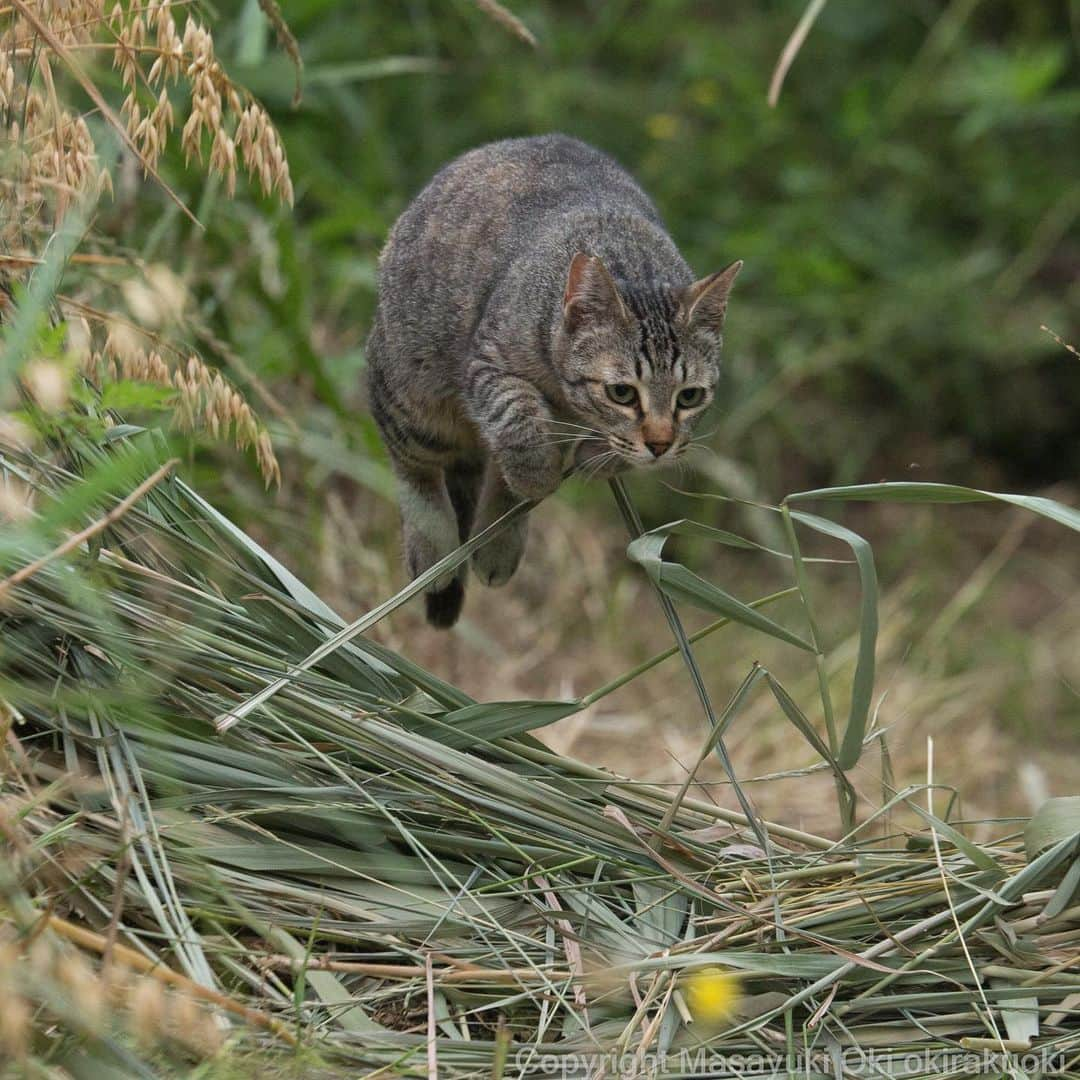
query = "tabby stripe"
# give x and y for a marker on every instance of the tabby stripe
(407, 437)
(488, 394)
(506, 404)
(384, 390)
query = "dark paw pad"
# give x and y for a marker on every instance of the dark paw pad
(444, 606)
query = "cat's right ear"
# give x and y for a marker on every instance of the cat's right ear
(705, 302)
(591, 295)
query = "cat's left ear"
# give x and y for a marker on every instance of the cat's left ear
(705, 302)
(591, 294)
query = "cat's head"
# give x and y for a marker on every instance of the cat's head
(639, 367)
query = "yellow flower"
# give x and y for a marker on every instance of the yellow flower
(712, 994)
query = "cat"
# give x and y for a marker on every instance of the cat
(533, 314)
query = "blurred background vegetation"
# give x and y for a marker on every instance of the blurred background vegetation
(907, 212)
(908, 216)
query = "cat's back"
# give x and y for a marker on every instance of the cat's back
(484, 211)
(505, 214)
(509, 189)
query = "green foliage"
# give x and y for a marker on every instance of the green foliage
(126, 396)
(907, 213)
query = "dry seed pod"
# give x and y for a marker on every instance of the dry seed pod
(83, 986)
(15, 1027)
(48, 383)
(146, 1007)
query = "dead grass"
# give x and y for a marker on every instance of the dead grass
(374, 838)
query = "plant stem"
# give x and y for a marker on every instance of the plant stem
(635, 529)
(844, 796)
(660, 657)
(815, 636)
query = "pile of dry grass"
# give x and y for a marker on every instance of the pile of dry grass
(376, 866)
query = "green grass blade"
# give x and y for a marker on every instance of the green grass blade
(862, 689)
(1056, 820)
(904, 491)
(680, 583)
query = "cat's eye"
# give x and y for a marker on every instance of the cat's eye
(690, 397)
(622, 393)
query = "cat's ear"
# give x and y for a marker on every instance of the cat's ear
(591, 295)
(705, 302)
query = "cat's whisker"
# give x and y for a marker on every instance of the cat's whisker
(588, 474)
(594, 436)
(702, 447)
(555, 440)
(582, 436)
(585, 435)
(601, 461)
(575, 441)
(586, 468)
(568, 424)
(706, 435)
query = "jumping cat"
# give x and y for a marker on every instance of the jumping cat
(533, 315)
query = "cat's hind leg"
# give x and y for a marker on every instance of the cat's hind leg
(431, 511)
(494, 564)
(463, 482)
(430, 527)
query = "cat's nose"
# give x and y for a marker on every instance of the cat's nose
(659, 446)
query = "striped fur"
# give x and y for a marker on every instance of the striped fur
(527, 284)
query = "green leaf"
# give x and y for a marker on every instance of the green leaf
(344, 1009)
(942, 493)
(1021, 1019)
(1054, 821)
(1064, 893)
(100, 487)
(501, 719)
(862, 689)
(970, 850)
(128, 395)
(806, 729)
(324, 861)
(363, 70)
(679, 583)
(661, 913)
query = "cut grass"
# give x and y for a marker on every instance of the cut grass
(375, 866)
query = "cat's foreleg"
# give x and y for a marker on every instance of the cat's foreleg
(515, 423)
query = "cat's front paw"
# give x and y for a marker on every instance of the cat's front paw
(533, 473)
(495, 563)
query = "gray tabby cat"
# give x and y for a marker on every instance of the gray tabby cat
(533, 314)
